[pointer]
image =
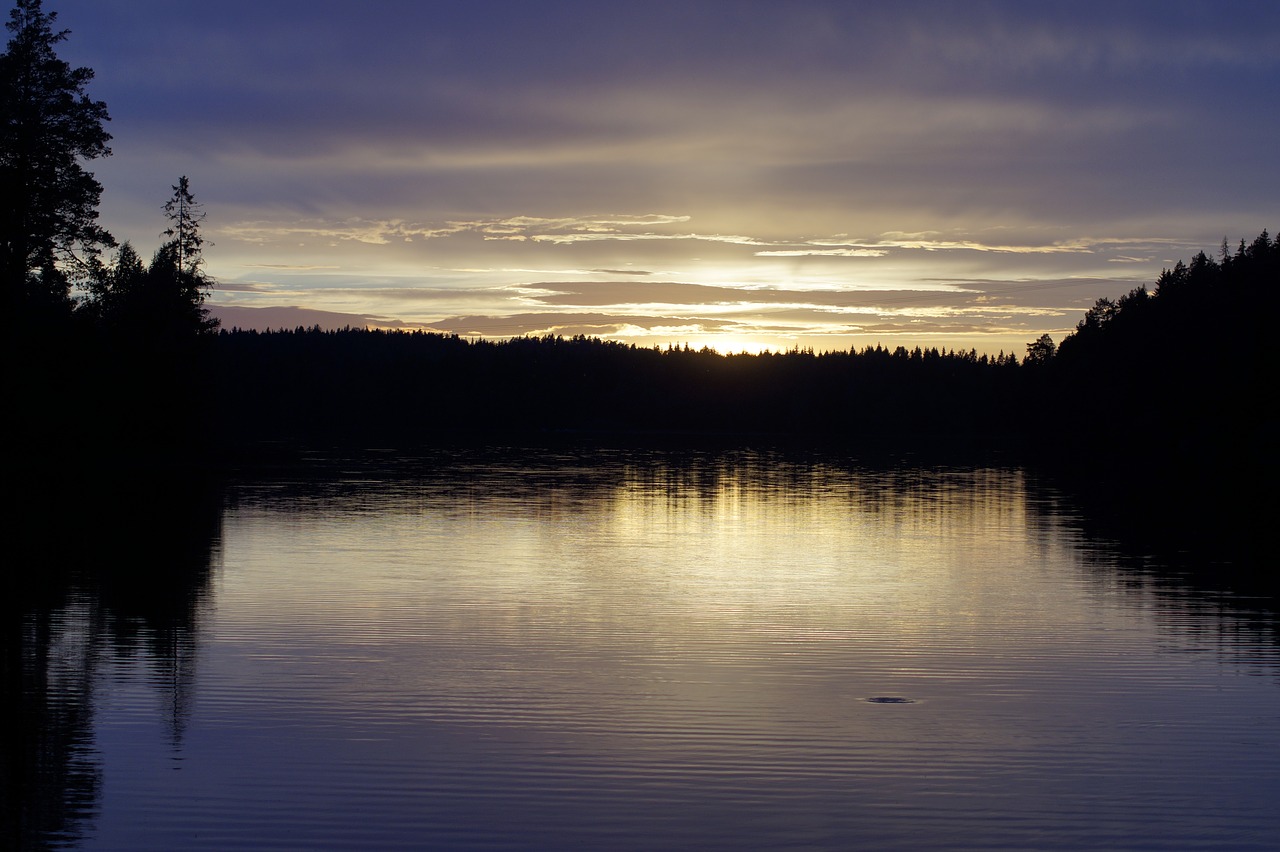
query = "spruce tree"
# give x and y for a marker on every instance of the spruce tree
(181, 257)
(49, 127)
(185, 215)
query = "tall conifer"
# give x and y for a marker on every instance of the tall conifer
(49, 127)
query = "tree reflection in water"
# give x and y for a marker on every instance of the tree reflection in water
(97, 567)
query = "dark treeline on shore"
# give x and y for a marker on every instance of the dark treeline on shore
(377, 386)
(109, 358)
(1180, 374)
(1188, 368)
(1176, 378)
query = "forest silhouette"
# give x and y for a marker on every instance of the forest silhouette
(110, 360)
(1143, 374)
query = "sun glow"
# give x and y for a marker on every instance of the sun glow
(735, 344)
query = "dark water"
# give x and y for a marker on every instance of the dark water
(642, 651)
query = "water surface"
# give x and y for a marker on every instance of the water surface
(663, 650)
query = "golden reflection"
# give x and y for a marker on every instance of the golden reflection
(712, 541)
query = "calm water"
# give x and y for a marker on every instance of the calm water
(646, 651)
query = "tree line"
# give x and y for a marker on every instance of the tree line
(123, 354)
(1180, 372)
(380, 386)
(1192, 360)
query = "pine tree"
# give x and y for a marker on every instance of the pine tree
(1041, 351)
(185, 214)
(181, 258)
(48, 127)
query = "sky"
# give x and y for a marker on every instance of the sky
(742, 175)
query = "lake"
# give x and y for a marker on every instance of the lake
(622, 649)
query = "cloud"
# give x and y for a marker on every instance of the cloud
(386, 231)
(580, 223)
(292, 316)
(243, 287)
(643, 293)
(296, 267)
(569, 231)
(629, 236)
(933, 241)
(410, 300)
(373, 232)
(816, 252)
(568, 324)
(936, 298)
